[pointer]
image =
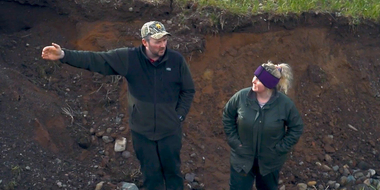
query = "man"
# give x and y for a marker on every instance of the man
(160, 92)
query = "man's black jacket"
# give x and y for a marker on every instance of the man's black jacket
(158, 93)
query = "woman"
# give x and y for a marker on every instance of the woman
(262, 124)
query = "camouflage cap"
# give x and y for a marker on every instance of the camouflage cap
(155, 29)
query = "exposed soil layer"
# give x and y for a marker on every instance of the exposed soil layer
(336, 89)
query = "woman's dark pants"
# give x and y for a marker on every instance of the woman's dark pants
(244, 181)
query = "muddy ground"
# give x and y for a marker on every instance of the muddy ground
(336, 88)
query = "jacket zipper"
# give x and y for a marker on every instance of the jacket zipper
(261, 126)
(155, 86)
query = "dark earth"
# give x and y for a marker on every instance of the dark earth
(336, 89)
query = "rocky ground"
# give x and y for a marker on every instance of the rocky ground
(59, 124)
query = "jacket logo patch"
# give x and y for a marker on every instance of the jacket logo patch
(168, 69)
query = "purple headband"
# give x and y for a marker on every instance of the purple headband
(266, 78)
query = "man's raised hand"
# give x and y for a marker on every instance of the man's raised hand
(53, 52)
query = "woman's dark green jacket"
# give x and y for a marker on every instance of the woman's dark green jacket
(267, 133)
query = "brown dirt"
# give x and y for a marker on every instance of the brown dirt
(337, 84)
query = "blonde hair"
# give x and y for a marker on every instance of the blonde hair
(282, 71)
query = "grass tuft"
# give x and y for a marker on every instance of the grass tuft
(355, 9)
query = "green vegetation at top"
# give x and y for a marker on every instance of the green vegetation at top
(355, 9)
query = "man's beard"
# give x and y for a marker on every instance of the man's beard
(157, 54)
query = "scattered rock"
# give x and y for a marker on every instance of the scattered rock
(84, 142)
(128, 186)
(118, 120)
(372, 172)
(92, 131)
(100, 133)
(302, 186)
(328, 158)
(120, 144)
(358, 175)
(311, 183)
(363, 165)
(326, 168)
(126, 154)
(343, 180)
(99, 186)
(107, 139)
(109, 130)
(190, 177)
(329, 148)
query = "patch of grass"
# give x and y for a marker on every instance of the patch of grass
(16, 170)
(135, 174)
(69, 111)
(355, 9)
(11, 185)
